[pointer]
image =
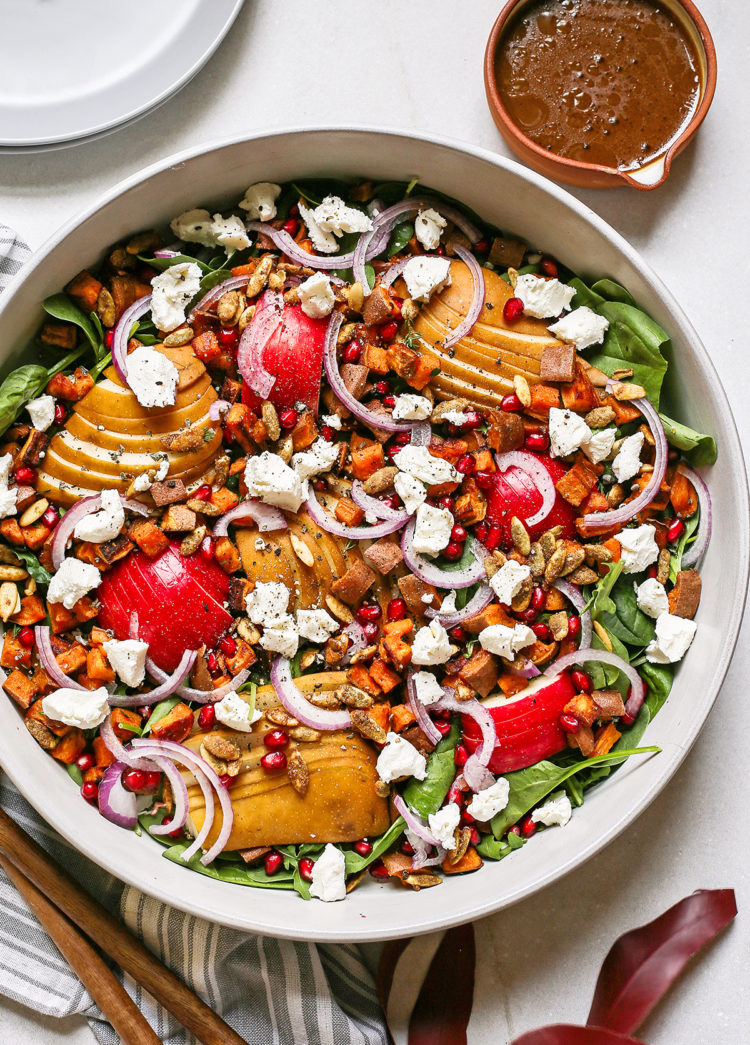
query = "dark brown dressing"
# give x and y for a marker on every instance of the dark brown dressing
(610, 82)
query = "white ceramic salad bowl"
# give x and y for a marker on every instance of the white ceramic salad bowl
(513, 198)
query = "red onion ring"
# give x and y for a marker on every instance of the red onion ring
(116, 804)
(583, 656)
(213, 295)
(69, 521)
(114, 745)
(49, 662)
(369, 245)
(481, 598)
(201, 696)
(575, 595)
(179, 795)
(166, 253)
(326, 521)
(255, 337)
(357, 640)
(208, 819)
(121, 335)
(166, 689)
(375, 507)
(218, 408)
(266, 516)
(391, 275)
(477, 776)
(539, 476)
(414, 822)
(481, 716)
(299, 706)
(287, 245)
(695, 551)
(477, 301)
(430, 573)
(424, 721)
(529, 670)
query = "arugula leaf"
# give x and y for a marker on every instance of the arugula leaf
(426, 796)
(698, 448)
(60, 306)
(356, 863)
(161, 710)
(32, 564)
(18, 388)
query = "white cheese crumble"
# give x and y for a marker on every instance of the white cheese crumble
(628, 460)
(333, 215)
(328, 880)
(582, 327)
(320, 458)
(269, 478)
(673, 637)
(508, 580)
(42, 412)
(429, 227)
(455, 417)
(504, 641)
(332, 420)
(281, 636)
(420, 463)
(432, 531)
(599, 446)
(492, 800)
(448, 604)
(316, 625)
(72, 581)
(567, 432)
(105, 524)
(424, 276)
(324, 242)
(427, 688)
(142, 483)
(8, 497)
(410, 490)
(639, 548)
(543, 298)
(83, 708)
(432, 645)
(162, 471)
(171, 291)
(230, 233)
(128, 659)
(152, 377)
(410, 407)
(193, 226)
(234, 713)
(651, 597)
(267, 602)
(260, 201)
(400, 759)
(316, 296)
(443, 825)
(556, 811)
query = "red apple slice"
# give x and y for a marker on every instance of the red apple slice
(513, 493)
(528, 724)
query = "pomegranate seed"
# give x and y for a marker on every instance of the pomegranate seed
(476, 838)
(379, 870)
(389, 330)
(652, 571)
(228, 337)
(371, 631)
(89, 790)
(207, 717)
(396, 610)
(473, 421)
(26, 638)
(453, 551)
(294, 210)
(481, 246)
(440, 251)
(61, 414)
(85, 761)
(515, 830)
(305, 868)
(455, 794)
(392, 501)
(213, 663)
(51, 517)
(442, 726)
(276, 740)
(288, 418)
(538, 441)
(203, 493)
(627, 719)
(539, 599)
(363, 848)
(549, 268)
(25, 476)
(109, 338)
(353, 352)
(458, 533)
(382, 387)
(402, 438)
(512, 310)
(179, 832)
(327, 432)
(542, 631)
(273, 862)
(574, 627)
(458, 634)
(389, 401)
(484, 480)
(134, 780)
(153, 780)
(510, 403)
(446, 502)
(290, 226)
(528, 616)
(319, 484)
(407, 848)
(207, 549)
(481, 529)
(466, 817)
(676, 530)
(273, 761)
(528, 827)
(144, 712)
(228, 646)
(397, 301)
(466, 465)
(581, 681)
(569, 723)
(369, 613)
(493, 538)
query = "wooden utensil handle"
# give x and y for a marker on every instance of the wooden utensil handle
(112, 937)
(93, 972)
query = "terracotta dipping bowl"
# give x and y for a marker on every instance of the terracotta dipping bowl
(592, 175)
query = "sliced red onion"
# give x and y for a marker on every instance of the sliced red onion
(583, 656)
(208, 819)
(430, 573)
(166, 689)
(69, 521)
(529, 670)
(414, 204)
(121, 335)
(213, 295)
(299, 706)
(179, 795)
(420, 859)
(421, 434)
(575, 595)
(287, 245)
(619, 516)
(695, 551)
(201, 696)
(477, 300)
(477, 776)
(357, 640)
(539, 476)
(375, 507)
(265, 516)
(117, 804)
(255, 337)
(49, 662)
(481, 716)
(114, 745)
(415, 823)
(327, 522)
(481, 598)
(391, 275)
(166, 253)
(424, 721)
(218, 408)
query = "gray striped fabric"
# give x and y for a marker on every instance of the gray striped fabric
(272, 992)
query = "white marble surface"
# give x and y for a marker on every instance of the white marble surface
(418, 66)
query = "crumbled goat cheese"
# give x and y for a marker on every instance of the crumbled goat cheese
(193, 226)
(449, 603)
(651, 597)
(508, 580)
(234, 712)
(673, 637)
(269, 478)
(567, 432)
(8, 497)
(324, 242)
(427, 687)
(639, 548)
(443, 825)
(492, 800)
(400, 759)
(432, 531)
(72, 581)
(142, 483)
(328, 881)
(316, 625)
(410, 407)
(42, 412)
(432, 645)
(333, 215)
(260, 544)
(230, 233)
(504, 641)
(320, 458)
(420, 463)
(428, 227)
(83, 708)
(6, 464)
(427, 598)
(582, 327)
(628, 460)
(410, 490)
(128, 658)
(543, 298)
(332, 420)
(171, 291)
(152, 377)
(455, 417)
(105, 524)
(599, 446)
(555, 812)
(162, 471)
(260, 201)
(267, 602)
(424, 276)
(316, 296)
(281, 636)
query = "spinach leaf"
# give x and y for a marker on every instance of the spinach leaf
(426, 796)
(399, 238)
(75, 774)
(495, 849)
(356, 863)
(627, 622)
(19, 387)
(32, 564)
(659, 678)
(601, 590)
(161, 710)
(675, 560)
(698, 448)
(224, 871)
(59, 306)
(607, 288)
(161, 264)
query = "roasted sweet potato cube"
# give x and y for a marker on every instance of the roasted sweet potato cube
(347, 512)
(148, 537)
(72, 659)
(31, 612)
(401, 717)
(60, 618)
(685, 597)
(470, 861)
(11, 531)
(354, 376)
(375, 358)
(507, 253)
(605, 739)
(583, 706)
(21, 688)
(378, 306)
(122, 718)
(385, 678)
(427, 366)
(360, 677)
(227, 555)
(224, 499)
(14, 655)
(367, 460)
(481, 672)
(493, 614)
(61, 335)
(413, 589)
(402, 359)
(102, 754)
(85, 609)
(35, 536)
(97, 666)
(243, 657)
(305, 432)
(352, 587)
(33, 450)
(178, 518)
(70, 747)
(558, 363)
(579, 395)
(239, 587)
(84, 290)
(206, 347)
(176, 725)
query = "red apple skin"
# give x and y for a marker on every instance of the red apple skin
(178, 600)
(513, 493)
(294, 354)
(528, 730)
